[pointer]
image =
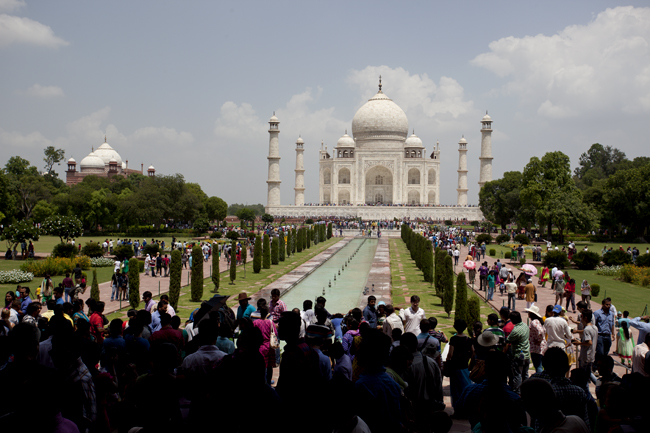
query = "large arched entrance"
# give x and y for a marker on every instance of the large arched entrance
(414, 198)
(379, 185)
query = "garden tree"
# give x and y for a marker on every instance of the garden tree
(448, 285)
(288, 240)
(232, 235)
(293, 241)
(547, 184)
(299, 241)
(599, 162)
(17, 167)
(258, 209)
(266, 258)
(499, 199)
(257, 255)
(65, 227)
(196, 288)
(627, 199)
(28, 191)
(175, 272)
(281, 246)
(308, 237)
(473, 313)
(7, 199)
(233, 263)
(134, 283)
(568, 212)
(19, 232)
(427, 262)
(215, 208)
(246, 214)
(43, 210)
(439, 257)
(200, 226)
(52, 156)
(195, 189)
(461, 298)
(216, 274)
(267, 218)
(94, 288)
(275, 251)
(329, 231)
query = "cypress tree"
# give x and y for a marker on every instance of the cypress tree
(288, 242)
(215, 268)
(308, 237)
(275, 253)
(233, 262)
(427, 262)
(281, 247)
(438, 272)
(474, 313)
(266, 258)
(294, 237)
(94, 288)
(134, 283)
(175, 270)
(196, 290)
(461, 298)
(257, 255)
(299, 243)
(329, 231)
(448, 285)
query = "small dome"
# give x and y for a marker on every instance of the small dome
(274, 119)
(113, 161)
(486, 118)
(92, 161)
(106, 152)
(380, 118)
(462, 141)
(345, 141)
(413, 141)
(151, 167)
(71, 160)
(300, 141)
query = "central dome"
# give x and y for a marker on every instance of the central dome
(380, 119)
(106, 153)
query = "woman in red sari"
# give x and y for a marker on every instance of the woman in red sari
(266, 327)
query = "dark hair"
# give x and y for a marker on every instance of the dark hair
(50, 304)
(515, 317)
(99, 307)
(307, 304)
(264, 311)
(626, 313)
(371, 298)
(409, 341)
(353, 324)
(321, 300)
(147, 294)
(493, 318)
(165, 319)
(460, 325)
(176, 322)
(144, 317)
(164, 298)
(397, 334)
(425, 325)
(504, 312)
(208, 330)
(357, 314)
(415, 298)
(115, 327)
(582, 304)
(587, 314)
(606, 300)
(261, 302)
(626, 331)
(389, 309)
(556, 361)
(33, 306)
(275, 292)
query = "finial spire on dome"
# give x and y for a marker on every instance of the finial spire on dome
(92, 149)
(346, 132)
(104, 139)
(380, 84)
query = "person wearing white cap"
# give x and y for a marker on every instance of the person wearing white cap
(537, 337)
(557, 329)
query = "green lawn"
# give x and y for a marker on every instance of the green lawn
(250, 283)
(414, 284)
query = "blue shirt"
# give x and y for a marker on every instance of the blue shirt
(24, 303)
(245, 312)
(338, 333)
(225, 345)
(431, 341)
(344, 367)
(604, 322)
(59, 301)
(324, 365)
(370, 315)
(643, 328)
(155, 322)
(378, 393)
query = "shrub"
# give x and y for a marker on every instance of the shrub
(124, 252)
(175, 270)
(522, 239)
(610, 271)
(215, 268)
(329, 230)
(448, 222)
(216, 235)
(473, 313)
(493, 252)
(635, 275)
(275, 251)
(152, 249)
(308, 237)
(522, 261)
(15, 276)
(94, 288)
(427, 262)
(617, 257)
(595, 290)
(294, 240)
(483, 237)
(309, 221)
(507, 255)
(281, 247)
(643, 260)
(266, 257)
(288, 242)
(556, 258)
(196, 290)
(92, 249)
(233, 235)
(473, 223)
(503, 238)
(233, 263)
(64, 250)
(448, 285)
(439, 257)
(461, 298)
(250, 236)
(257, 257)
(299, 242)
(101, 262)
(54, 266)
(134, 281)
(586, 260)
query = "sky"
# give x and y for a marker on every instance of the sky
(189, 86)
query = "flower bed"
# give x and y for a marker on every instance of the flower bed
(54, 266)
(609, 271)
(636, 275)
(15, 276)
(101, 262)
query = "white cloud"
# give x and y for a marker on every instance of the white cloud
(19, 30)
(14, 138)
(45, 91)
(238, 122)
(160, 137)
(11, 5)
(602, 66)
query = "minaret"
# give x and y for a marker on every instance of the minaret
(486, 150)
(273, 198)
(300, 173)
(462, 172)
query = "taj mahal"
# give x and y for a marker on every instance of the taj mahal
(380, 172)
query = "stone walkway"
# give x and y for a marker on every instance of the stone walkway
(379, 275)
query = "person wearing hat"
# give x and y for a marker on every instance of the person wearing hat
(245, 309)
(537, 337)
(557, 329)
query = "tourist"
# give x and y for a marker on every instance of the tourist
(115, 285)
(224, 340)
(558, 287)
(427, 344)
(557, 329)
(511, 289)
(491, 285)
(392, 321)
(545, 276)
(537, 337)
(518, 340)
(370, 312)
(267, 327)
(604, 320)
(531, 293)
(78, 312)
(504, 321)
(438, 335)
(412, 316)
(457, 363)
(625, 343)
(585, 292)
(570, 294)
(643, 325)
(482, 274)
(245, 309)
(641, 357)
(161, 309)
(493, 327)
(587, 343)
(541, 403)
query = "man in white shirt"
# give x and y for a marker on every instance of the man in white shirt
(392, 321)
(197, 365)
(557, 329)
(412, 316)
(117, 266)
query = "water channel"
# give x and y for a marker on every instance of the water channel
(346, 290)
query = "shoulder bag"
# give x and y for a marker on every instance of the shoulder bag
(274, 342)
